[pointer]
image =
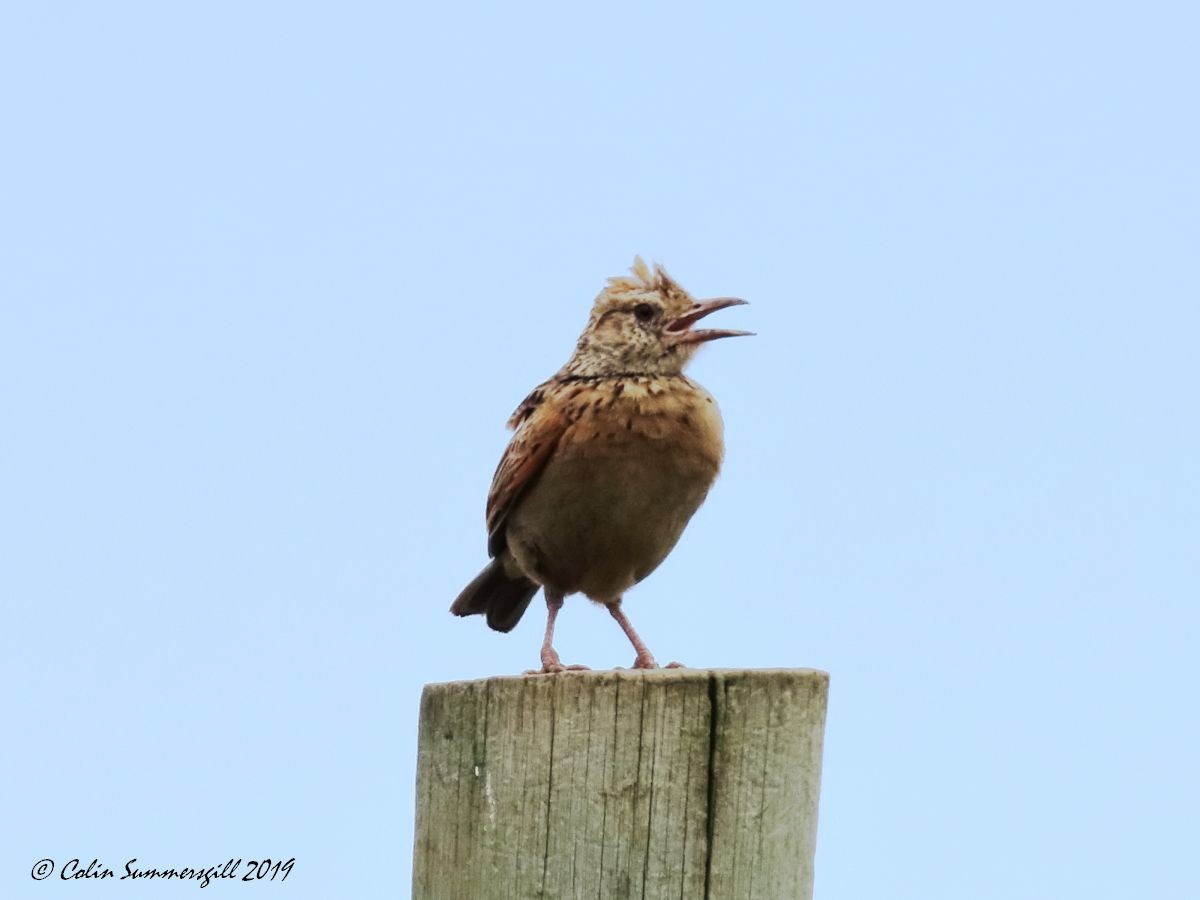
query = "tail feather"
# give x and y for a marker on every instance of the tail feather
(496, 594)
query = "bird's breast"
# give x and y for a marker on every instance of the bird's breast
(634, 463)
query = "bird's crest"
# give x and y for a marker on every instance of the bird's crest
(644, 279)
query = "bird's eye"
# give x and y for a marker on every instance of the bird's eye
(644, 312)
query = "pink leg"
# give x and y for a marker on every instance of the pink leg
(644, 659)
(550, 661)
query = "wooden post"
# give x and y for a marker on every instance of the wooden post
(681, 783)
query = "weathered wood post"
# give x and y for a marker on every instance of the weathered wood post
(681, 783)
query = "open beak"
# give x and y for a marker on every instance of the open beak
(679, 330)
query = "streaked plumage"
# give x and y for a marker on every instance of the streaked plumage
(609, 460)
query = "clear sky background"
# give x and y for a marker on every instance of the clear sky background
(273, 276)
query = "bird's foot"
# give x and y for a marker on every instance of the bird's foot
(555, 669)
(674, 665)
(552, 665)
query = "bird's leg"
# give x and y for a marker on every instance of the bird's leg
(644, 659)
(550, 661)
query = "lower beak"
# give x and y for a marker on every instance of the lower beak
(679, 330)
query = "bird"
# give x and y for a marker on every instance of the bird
(608, 461)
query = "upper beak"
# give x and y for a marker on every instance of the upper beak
(679, 330)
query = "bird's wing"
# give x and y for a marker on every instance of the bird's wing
(539, 427)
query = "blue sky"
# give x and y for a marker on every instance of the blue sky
(273, 276)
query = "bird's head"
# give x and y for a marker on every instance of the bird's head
(643, 326)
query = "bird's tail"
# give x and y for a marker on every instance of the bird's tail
(495, 593)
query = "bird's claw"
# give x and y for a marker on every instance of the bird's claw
(555, 670)
(552, 665)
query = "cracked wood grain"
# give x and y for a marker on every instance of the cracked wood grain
(665, 784)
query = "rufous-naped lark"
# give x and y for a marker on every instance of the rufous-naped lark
(609, 460)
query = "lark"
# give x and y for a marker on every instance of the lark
(609, 460)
